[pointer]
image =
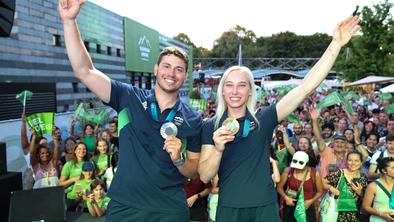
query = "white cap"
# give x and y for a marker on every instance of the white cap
(299, 161)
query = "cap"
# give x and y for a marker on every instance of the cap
(299, 161)
(87, 166)
(339, 137)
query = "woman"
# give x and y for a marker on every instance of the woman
(43, 163)
(376, 199)
(369, 128)
(236, 156)
(101, 158)
(298, 175)
(355, 180)
(88, 136)
(304, 144)
(71, 171)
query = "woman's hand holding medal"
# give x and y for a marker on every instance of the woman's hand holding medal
(226, 133)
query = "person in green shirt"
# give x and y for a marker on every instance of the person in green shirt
(81, 189)
(71, 171)
(101, 158)
(97, 201)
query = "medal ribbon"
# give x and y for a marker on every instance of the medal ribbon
(153, 111)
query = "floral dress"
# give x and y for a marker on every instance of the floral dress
(349, 216)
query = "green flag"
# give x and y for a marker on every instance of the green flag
(346, 104)
(386, 96)
(352, 95)
(329, 100)
(198, 104)
(23, 96)
(390, 109)
(79, 113)
(292, 118)
(42, 123)
(300, 211)
(98, 119)
(346, 200)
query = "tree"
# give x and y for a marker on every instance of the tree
(198, 52)
(372, 52)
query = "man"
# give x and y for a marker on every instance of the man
(389, 152)
(149, 179)
(239, 153)
(297, 128)
(113, 129)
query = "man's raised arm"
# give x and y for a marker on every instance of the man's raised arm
(80, 60)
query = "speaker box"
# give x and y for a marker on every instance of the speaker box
(8, 182)
(45, 204)
(3, 159)
(7, 11)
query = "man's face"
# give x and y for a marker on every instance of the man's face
(372, 141)
(342, 124)
(339, 146)
(382, 118)
(327, 133)
(113, 128)
(390, 126)
(297, 129)
(170, 73)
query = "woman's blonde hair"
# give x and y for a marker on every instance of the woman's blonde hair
(221, 103)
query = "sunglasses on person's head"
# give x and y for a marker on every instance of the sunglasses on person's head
(299, 161)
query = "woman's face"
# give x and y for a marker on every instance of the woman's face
(368, 127)
(45, 155)
(105, 135)
(303, 144)
(88, 130)
(236, 89)
(80, 151)
(102, 147)
(70, 146)
(354, 162)
(349, 135)
(390, 169)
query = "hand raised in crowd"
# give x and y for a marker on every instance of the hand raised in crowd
(23, 117)
(69, 9)
(90, 198)
(314, 113)
(96, 129)
(222, 136)
(344, 31)
(289, 201)
(172, 145)
(72, 122)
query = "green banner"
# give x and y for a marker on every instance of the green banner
(42, 123)
(292, 118)
(300, 211)
(329, 100)
(346, 200)
(198, 104)
(141, 46)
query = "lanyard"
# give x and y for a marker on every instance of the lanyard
(153, 111)
(245, 131)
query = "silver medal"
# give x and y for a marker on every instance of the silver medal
(168, 129)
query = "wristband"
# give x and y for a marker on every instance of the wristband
(179, 162)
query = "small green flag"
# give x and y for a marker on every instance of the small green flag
(300, 211)
(329, 100)
(42, 123)
(292, 118)
(346, 200)
(99, 118)
(79, 113)
(390, 109)
(346, 104)
(386, 96)
(23, 96)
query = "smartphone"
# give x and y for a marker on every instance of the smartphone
(356, 11)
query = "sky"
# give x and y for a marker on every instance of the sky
(205, 20)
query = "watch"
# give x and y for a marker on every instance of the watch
(180, 161)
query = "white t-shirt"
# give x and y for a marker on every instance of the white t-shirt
(376, 156)
(109, 175)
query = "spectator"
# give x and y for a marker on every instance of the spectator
(377, 196)
(196, 197)
(300, 175)
(110, 172)
(379, 155)
(81, 188)
(355, 180)
(71, 171)
(97, 201)
(101, 158)
(213, 199)
(88, 136)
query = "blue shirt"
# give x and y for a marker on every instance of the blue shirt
(244, 171)
(146, 178)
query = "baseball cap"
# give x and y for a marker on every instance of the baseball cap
(339, 137)
(87, 166)
(299, 161)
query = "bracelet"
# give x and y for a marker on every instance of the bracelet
(179, 162)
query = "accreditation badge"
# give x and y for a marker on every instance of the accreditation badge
(168, 129)
(231, 124)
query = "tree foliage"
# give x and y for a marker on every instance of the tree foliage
(372, 52)
(198, 52)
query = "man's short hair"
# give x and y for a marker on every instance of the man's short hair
(114, 121)
(390, 137)
(176, 51)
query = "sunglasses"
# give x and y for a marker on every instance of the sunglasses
(298, 161)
